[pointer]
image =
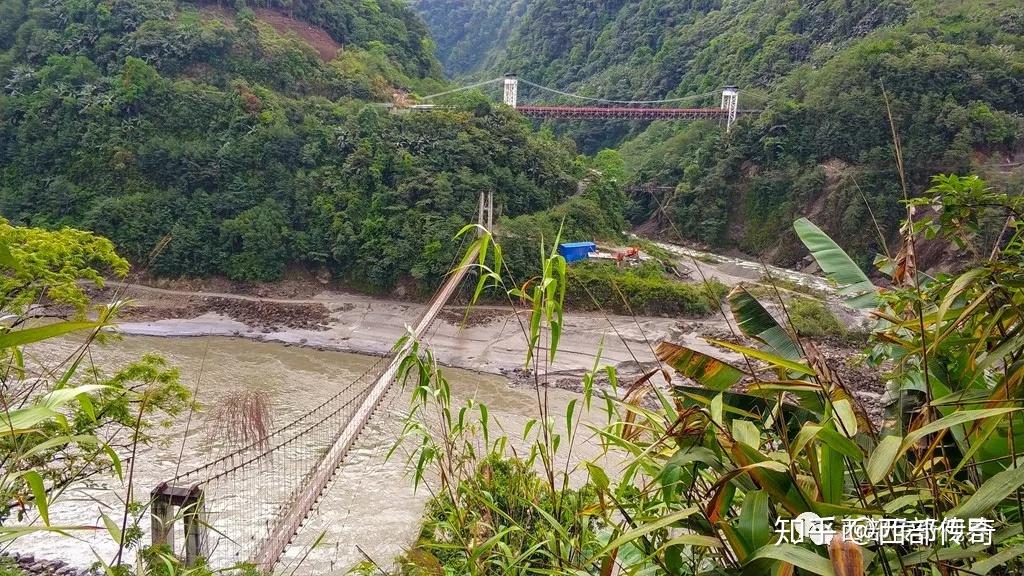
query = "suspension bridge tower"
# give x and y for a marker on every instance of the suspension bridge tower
(730, 103)
(511, 90)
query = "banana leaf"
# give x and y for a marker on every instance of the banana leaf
(756, 322)
(850, 280)
(705, 370)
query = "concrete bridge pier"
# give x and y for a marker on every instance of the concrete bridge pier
(166, 502)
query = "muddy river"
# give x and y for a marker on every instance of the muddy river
(370, 506)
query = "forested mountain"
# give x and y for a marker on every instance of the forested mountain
(818, 72)
(470, 34)
(221, 133)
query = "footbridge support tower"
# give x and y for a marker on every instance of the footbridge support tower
(730, 103)
(511, 90)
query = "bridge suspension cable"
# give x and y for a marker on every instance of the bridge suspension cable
(249, 504)
(462, 88)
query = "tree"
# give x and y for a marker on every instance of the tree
(67, 420)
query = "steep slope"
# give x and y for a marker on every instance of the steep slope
(470, 35)
(240, 150)
(819, 73)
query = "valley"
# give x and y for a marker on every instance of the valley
(511, 287)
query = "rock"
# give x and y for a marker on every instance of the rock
(67, 571)
(39, 567)
(27, 560)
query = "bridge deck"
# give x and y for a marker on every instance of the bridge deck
(637, 113)
(295, 513)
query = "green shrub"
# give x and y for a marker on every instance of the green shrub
(644, 290)
(515, 496)
(9, 568)
(812, 318)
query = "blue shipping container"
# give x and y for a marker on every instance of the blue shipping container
(575, 251)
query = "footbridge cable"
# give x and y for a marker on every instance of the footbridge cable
(248, 504)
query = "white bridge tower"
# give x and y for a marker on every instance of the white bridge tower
(730, 102)
(511, 90)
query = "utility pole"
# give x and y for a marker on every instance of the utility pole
(511, 90)
(730, 102)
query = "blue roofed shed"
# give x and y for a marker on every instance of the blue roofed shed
(575, 251)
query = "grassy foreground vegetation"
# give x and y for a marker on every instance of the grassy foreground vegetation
(703, 472)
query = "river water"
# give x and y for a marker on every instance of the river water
(369, 508)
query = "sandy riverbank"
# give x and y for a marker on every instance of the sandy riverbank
(490, 340)
(305, 311)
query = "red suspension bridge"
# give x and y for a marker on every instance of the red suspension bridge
(608, 109)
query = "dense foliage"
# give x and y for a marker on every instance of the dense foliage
(819, 71)
(468, 33)
(705, 464)
(153, 119)
(65, 421)
(642, 290)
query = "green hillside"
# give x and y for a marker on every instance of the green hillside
(821, 142)
(470, 34)
(224, 135)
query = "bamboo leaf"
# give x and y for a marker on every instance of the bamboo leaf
(598, 476)
(991, 493)
(769, 475)
(882, 458)
(799, 557)
(644, 529)
(45, 408)
(35, 483)
(693, 540)
(30, 335)
(753, 521)
(833, 474)
(115, 532)
(954, 419)
(985, 566)
(827, 435)
(788, 365)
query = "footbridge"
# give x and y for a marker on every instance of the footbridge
(248, 505)
(727, 111)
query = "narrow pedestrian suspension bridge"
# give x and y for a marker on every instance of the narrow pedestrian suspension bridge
(604, 108)
(248, 505)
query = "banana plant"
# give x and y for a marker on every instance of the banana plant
(795, 440)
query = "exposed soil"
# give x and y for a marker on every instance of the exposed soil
(317, 38)
(285, 25)
(297, 283)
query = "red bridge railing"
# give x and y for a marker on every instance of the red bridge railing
(621, 112)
